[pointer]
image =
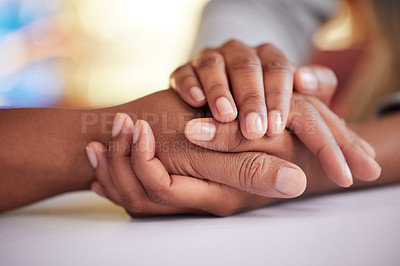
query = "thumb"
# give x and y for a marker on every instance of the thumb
(254, 172)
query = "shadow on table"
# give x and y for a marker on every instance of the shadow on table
(86, 206)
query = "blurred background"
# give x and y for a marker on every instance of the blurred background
(91, 52)
(101, 52)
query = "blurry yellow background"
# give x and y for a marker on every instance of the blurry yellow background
(132, 47)
(107, 51)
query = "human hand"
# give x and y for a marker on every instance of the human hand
(136, 180)
(261, 81)
(340, 151)
(129, 174)
(244, 171)
(167, 114)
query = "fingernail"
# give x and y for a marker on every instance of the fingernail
(290, 181)
(348, 174)
(276, 121)
(117, 124)
(92, 157)
(197, 94)
(224, 107)
(308, 79)
(98, 192)
(254, 123)
(201, 131)
(136, 133)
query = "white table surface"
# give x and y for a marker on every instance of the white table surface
(352, 228)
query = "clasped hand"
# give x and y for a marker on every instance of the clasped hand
(214, 165)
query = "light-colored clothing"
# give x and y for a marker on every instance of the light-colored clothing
(288, 24)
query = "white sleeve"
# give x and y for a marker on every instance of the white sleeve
(288, 24)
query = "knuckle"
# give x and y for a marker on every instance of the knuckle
(253, 170)
(301, 105)
(231, 43)
(208, 59)
(270, 50)
(276, 96)
(247, 64)
(176, 74)
(277, 67)
(266, 46)
(186, 81)
(251, 98)
(182, 68)
(218, 88)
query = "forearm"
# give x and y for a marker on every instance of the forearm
(384, 135)
(42, 151)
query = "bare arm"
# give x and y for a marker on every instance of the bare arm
(384, 135)
(42, 151)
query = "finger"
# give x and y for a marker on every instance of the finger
(130, 190)
(362, 165)
(210, 69)
(98, 154)
(118, 154)
(311, 129)
(245, 75)
(278, 85)
(254, 172)
(304, 120)
(194, 195)
(317, 81)
(184, 81)
(161, 188)
(190, 192)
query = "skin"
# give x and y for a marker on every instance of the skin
(153, 191)
(43, 157)
(253, 82)
(156, 188)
